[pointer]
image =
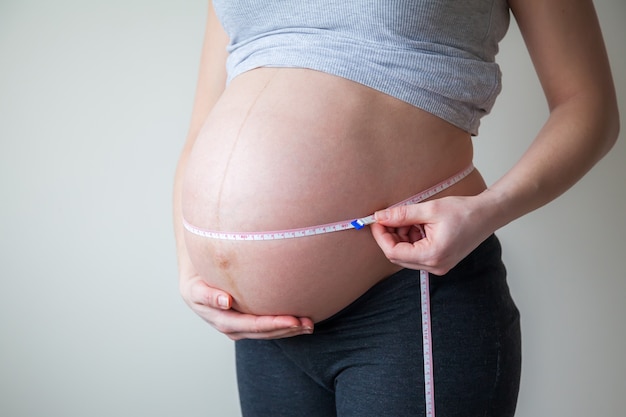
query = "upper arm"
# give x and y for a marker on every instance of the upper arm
(565, 43)
(212, 72)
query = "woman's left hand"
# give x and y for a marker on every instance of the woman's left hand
(452, 226)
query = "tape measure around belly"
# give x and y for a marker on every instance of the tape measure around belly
(429, 381)
(325, 228)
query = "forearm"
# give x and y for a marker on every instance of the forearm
(578, 133)
(565, 43)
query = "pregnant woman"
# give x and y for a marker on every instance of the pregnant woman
(309, 116)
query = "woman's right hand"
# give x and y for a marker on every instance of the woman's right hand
(214, 307)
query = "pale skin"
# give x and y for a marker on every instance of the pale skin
(566, 46)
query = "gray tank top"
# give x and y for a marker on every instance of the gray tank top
(438, 55)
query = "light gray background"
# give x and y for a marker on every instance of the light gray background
(95, 99)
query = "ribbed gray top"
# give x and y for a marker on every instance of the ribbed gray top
(438, 55)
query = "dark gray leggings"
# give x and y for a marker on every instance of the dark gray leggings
(367, 359)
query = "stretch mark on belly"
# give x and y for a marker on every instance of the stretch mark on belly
(234, 146)
(325, 228)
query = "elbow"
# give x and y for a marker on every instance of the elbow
(612, 126)
(605, 119)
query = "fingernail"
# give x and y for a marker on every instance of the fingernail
(382, 215)
(222, 301)
(307, 330)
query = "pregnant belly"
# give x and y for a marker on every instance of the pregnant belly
(287, 149)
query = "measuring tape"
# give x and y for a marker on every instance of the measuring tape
(429, 380)
(427, 340)
(325, 228)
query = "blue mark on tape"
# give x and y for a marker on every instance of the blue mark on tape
(357, 224)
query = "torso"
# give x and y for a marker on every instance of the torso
(290, 148)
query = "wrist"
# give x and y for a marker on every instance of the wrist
(491, 207)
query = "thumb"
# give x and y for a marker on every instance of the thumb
(201, 293)
(400, 216)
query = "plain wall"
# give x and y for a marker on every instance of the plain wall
(95, 100)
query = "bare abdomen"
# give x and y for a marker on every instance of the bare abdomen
(287, 149)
